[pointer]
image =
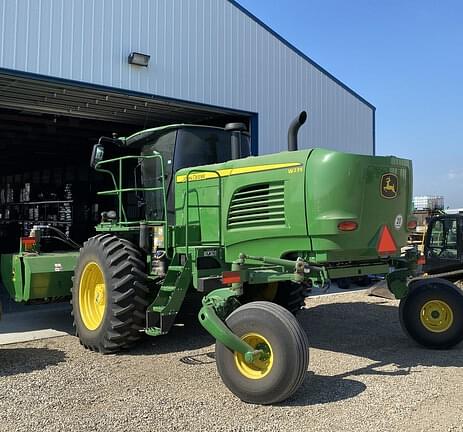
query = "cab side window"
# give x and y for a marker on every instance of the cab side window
(444, 239)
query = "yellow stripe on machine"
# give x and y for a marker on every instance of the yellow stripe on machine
(235, 171)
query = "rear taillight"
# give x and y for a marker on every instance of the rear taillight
(347, 226)
(421, 260)
(411, 225)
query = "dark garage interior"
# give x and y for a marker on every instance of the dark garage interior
(47, 131)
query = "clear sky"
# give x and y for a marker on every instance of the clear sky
(406, 58)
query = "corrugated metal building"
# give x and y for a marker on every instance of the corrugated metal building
(65, 81)
(211, 61)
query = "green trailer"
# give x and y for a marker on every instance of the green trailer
(34, 274)
(251, 235)
(38, 276)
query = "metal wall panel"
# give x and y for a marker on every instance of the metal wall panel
(207, 51)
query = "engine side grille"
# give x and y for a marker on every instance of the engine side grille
(258, 205)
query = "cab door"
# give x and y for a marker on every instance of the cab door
(443, 244)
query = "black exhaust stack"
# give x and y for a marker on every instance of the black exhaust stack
(294, 129)
(235, 129)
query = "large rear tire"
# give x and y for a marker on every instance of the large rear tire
(343, 283)
(277, 375)
(288, 294)
(109, 294)
(432, 314)
(291, 296)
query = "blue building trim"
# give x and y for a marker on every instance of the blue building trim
(300, 53)
(374, 132)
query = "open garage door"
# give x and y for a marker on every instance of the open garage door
(40, 96)
(47, 130)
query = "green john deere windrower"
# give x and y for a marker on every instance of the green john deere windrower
(194, 212)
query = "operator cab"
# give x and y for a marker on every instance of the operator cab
(443, 244)
(181, 146)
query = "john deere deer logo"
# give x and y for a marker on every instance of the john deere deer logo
(389, 185)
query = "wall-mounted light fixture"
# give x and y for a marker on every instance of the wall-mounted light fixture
(139, 59)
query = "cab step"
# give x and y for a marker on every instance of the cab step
(161, 314)
(168, 288)
(177, 268)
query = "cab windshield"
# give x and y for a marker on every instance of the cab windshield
(182, 148)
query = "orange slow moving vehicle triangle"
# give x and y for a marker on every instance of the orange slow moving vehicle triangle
(386, 244)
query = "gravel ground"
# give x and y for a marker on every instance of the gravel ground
(364, 374)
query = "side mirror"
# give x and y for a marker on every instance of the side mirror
(97, 155)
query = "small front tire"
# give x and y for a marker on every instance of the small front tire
(281, 370)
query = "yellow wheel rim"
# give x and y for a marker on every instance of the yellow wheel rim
(92, 296)
(436, 316)
(260, 367)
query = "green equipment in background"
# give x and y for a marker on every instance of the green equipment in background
(38, 277)
(35, 275)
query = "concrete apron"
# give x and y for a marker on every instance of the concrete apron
(48, 321)
(40, 323)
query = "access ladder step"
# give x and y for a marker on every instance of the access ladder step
(161, 322)
(168, 288)
(153, 331)
(177, 268)
(161, 314)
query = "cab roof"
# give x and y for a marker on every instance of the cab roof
(146, 133)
